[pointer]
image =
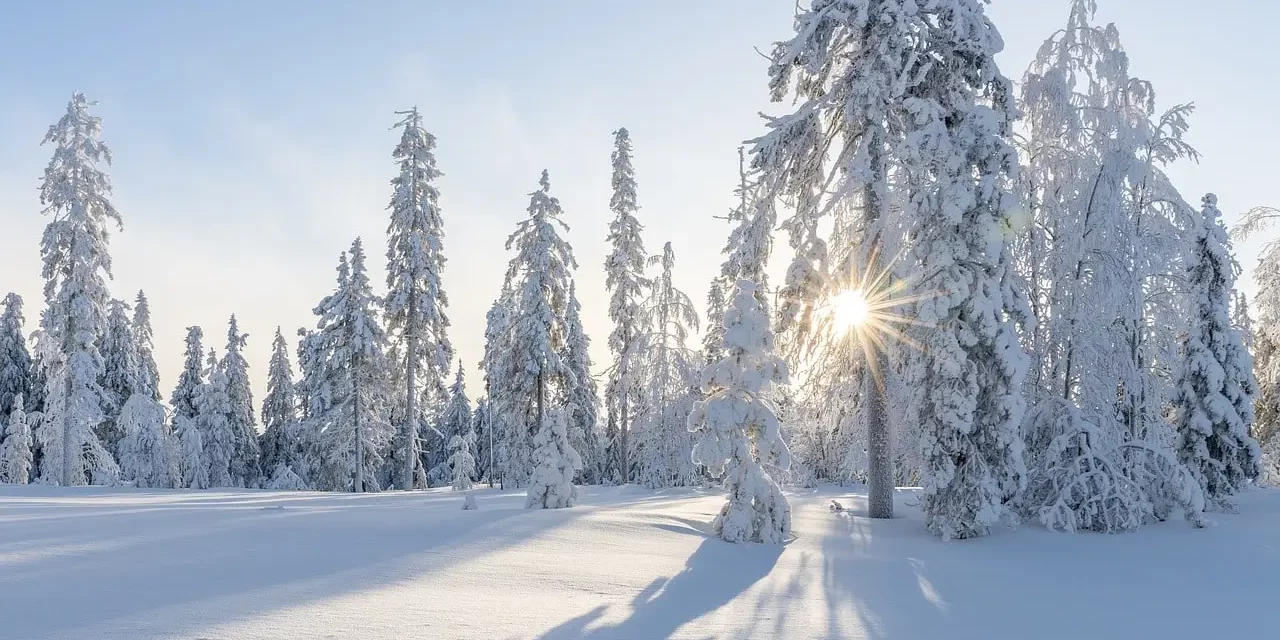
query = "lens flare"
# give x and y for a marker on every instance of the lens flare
(850, 310)
(866, 309)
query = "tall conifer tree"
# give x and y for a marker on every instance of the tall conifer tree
(245, 462)
(1216, 387)
(183, 398)
(75, 194)
(626, 282)
(144, 340)
(539, 276)
(17, 370)
(416, 301)
(581, 399)
(281, 441)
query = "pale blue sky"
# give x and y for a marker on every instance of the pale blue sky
(252, 139)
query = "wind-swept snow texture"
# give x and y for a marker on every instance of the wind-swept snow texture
(626, 563)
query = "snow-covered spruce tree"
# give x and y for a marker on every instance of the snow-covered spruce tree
(539, 277)
(626, 283)
(311, 389)
(1240, 317)
(183, 399)
(397, 410)
(736, 428)
(973, 364)
(144, 341)
(581, 400)
(1216, 387)
(246, 465)
(214, 418)
(1266, 360)
(713, 337)
(751, 239)
(555, 463)
(669, 369)
(746, 253)
(502, 409)
(480, 425)
(314, 394)
(455, 420)
(148, 453)
(281, 441)
(17, 371)
(74, 192)
(122, 374)
(433, 445)
(351, 430)
(192, 465)
(320, 392)
(16, 447)
(461, 462)
(416, 302)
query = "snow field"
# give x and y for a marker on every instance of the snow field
(627, 563)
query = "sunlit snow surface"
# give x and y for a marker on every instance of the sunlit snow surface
(628, 563)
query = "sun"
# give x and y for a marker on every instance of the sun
(851, 310)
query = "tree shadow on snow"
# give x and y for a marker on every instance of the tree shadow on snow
(715, 574)
(204, 566)
(894, 580)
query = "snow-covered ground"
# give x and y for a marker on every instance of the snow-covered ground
(114, 563)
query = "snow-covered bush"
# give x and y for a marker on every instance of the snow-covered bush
(555, 463)
(284, 479)
(736, 428)
(1077, 475)
(15, 451)
(461, 461)
(191, 461)
(1171, 488)
(148, 454)
(1082, 477)
(1270, 475)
